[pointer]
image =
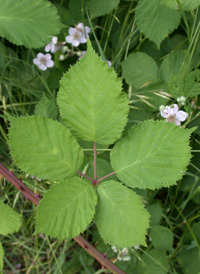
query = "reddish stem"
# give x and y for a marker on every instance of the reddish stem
(79, 239)
(84, 175)
(104, 177)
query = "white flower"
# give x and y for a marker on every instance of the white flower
(181, 100)
(123, 255)
(171, 114)
(85, 31)
(43, 61)
(78, 35)
(55, 45)
(114, 248)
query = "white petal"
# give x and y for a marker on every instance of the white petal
(83, 39)
(87, 30)
(127, 258)
(42, 67)
(165, 113)
(80, 27)
(177, 122)
(47, 48)
(47, 57)
(69, 39)
(36, 61)
(40, 55)
(181, 115)
(75, 43)
(54, 39)
(50, 63)
(72, 31)
(109, 63)
(174, 108)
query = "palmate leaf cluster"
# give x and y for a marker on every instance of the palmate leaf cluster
(93, 108)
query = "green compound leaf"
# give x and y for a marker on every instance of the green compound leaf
(44, 148)
(1, 256)
(120, 215)
(103, 7)
(162, 237)
(155, 20)
(67, 208)
(152, 155)
(28, 22)
(185, 4)
(9, 219)
(139, 69)
(91, 102)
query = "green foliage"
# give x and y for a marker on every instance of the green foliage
(99, 8)
(120, 215)
(46, 107)
(184, 4)
(91, 102)
(155, 20)
(44, 148)
(103, 169)
(1, 256)
(152, 155)
(9, 219)
(67, 209)
(28, 22)
(172, 66)
(154, 262)
(192, 84)
(189, 260)
(139, 69)
(156, 214)
(162, 238)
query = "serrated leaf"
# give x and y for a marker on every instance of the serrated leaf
(172, 65)
(1, 256)
(185, 4)
(103, 7)
(154, 262)
(91, 102)
(162, 238)
(152, 155)
(46, 107)
(192, 84)
(28, 22)
(155, 20)
(156, 214)
(139, 69)
(9, 219)
(44, 148)
(120, 215)
(189, 261)
(67, 209)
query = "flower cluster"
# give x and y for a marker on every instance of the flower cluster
(122, 253)
(181, 100)
(77, 35)
(172, 114)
